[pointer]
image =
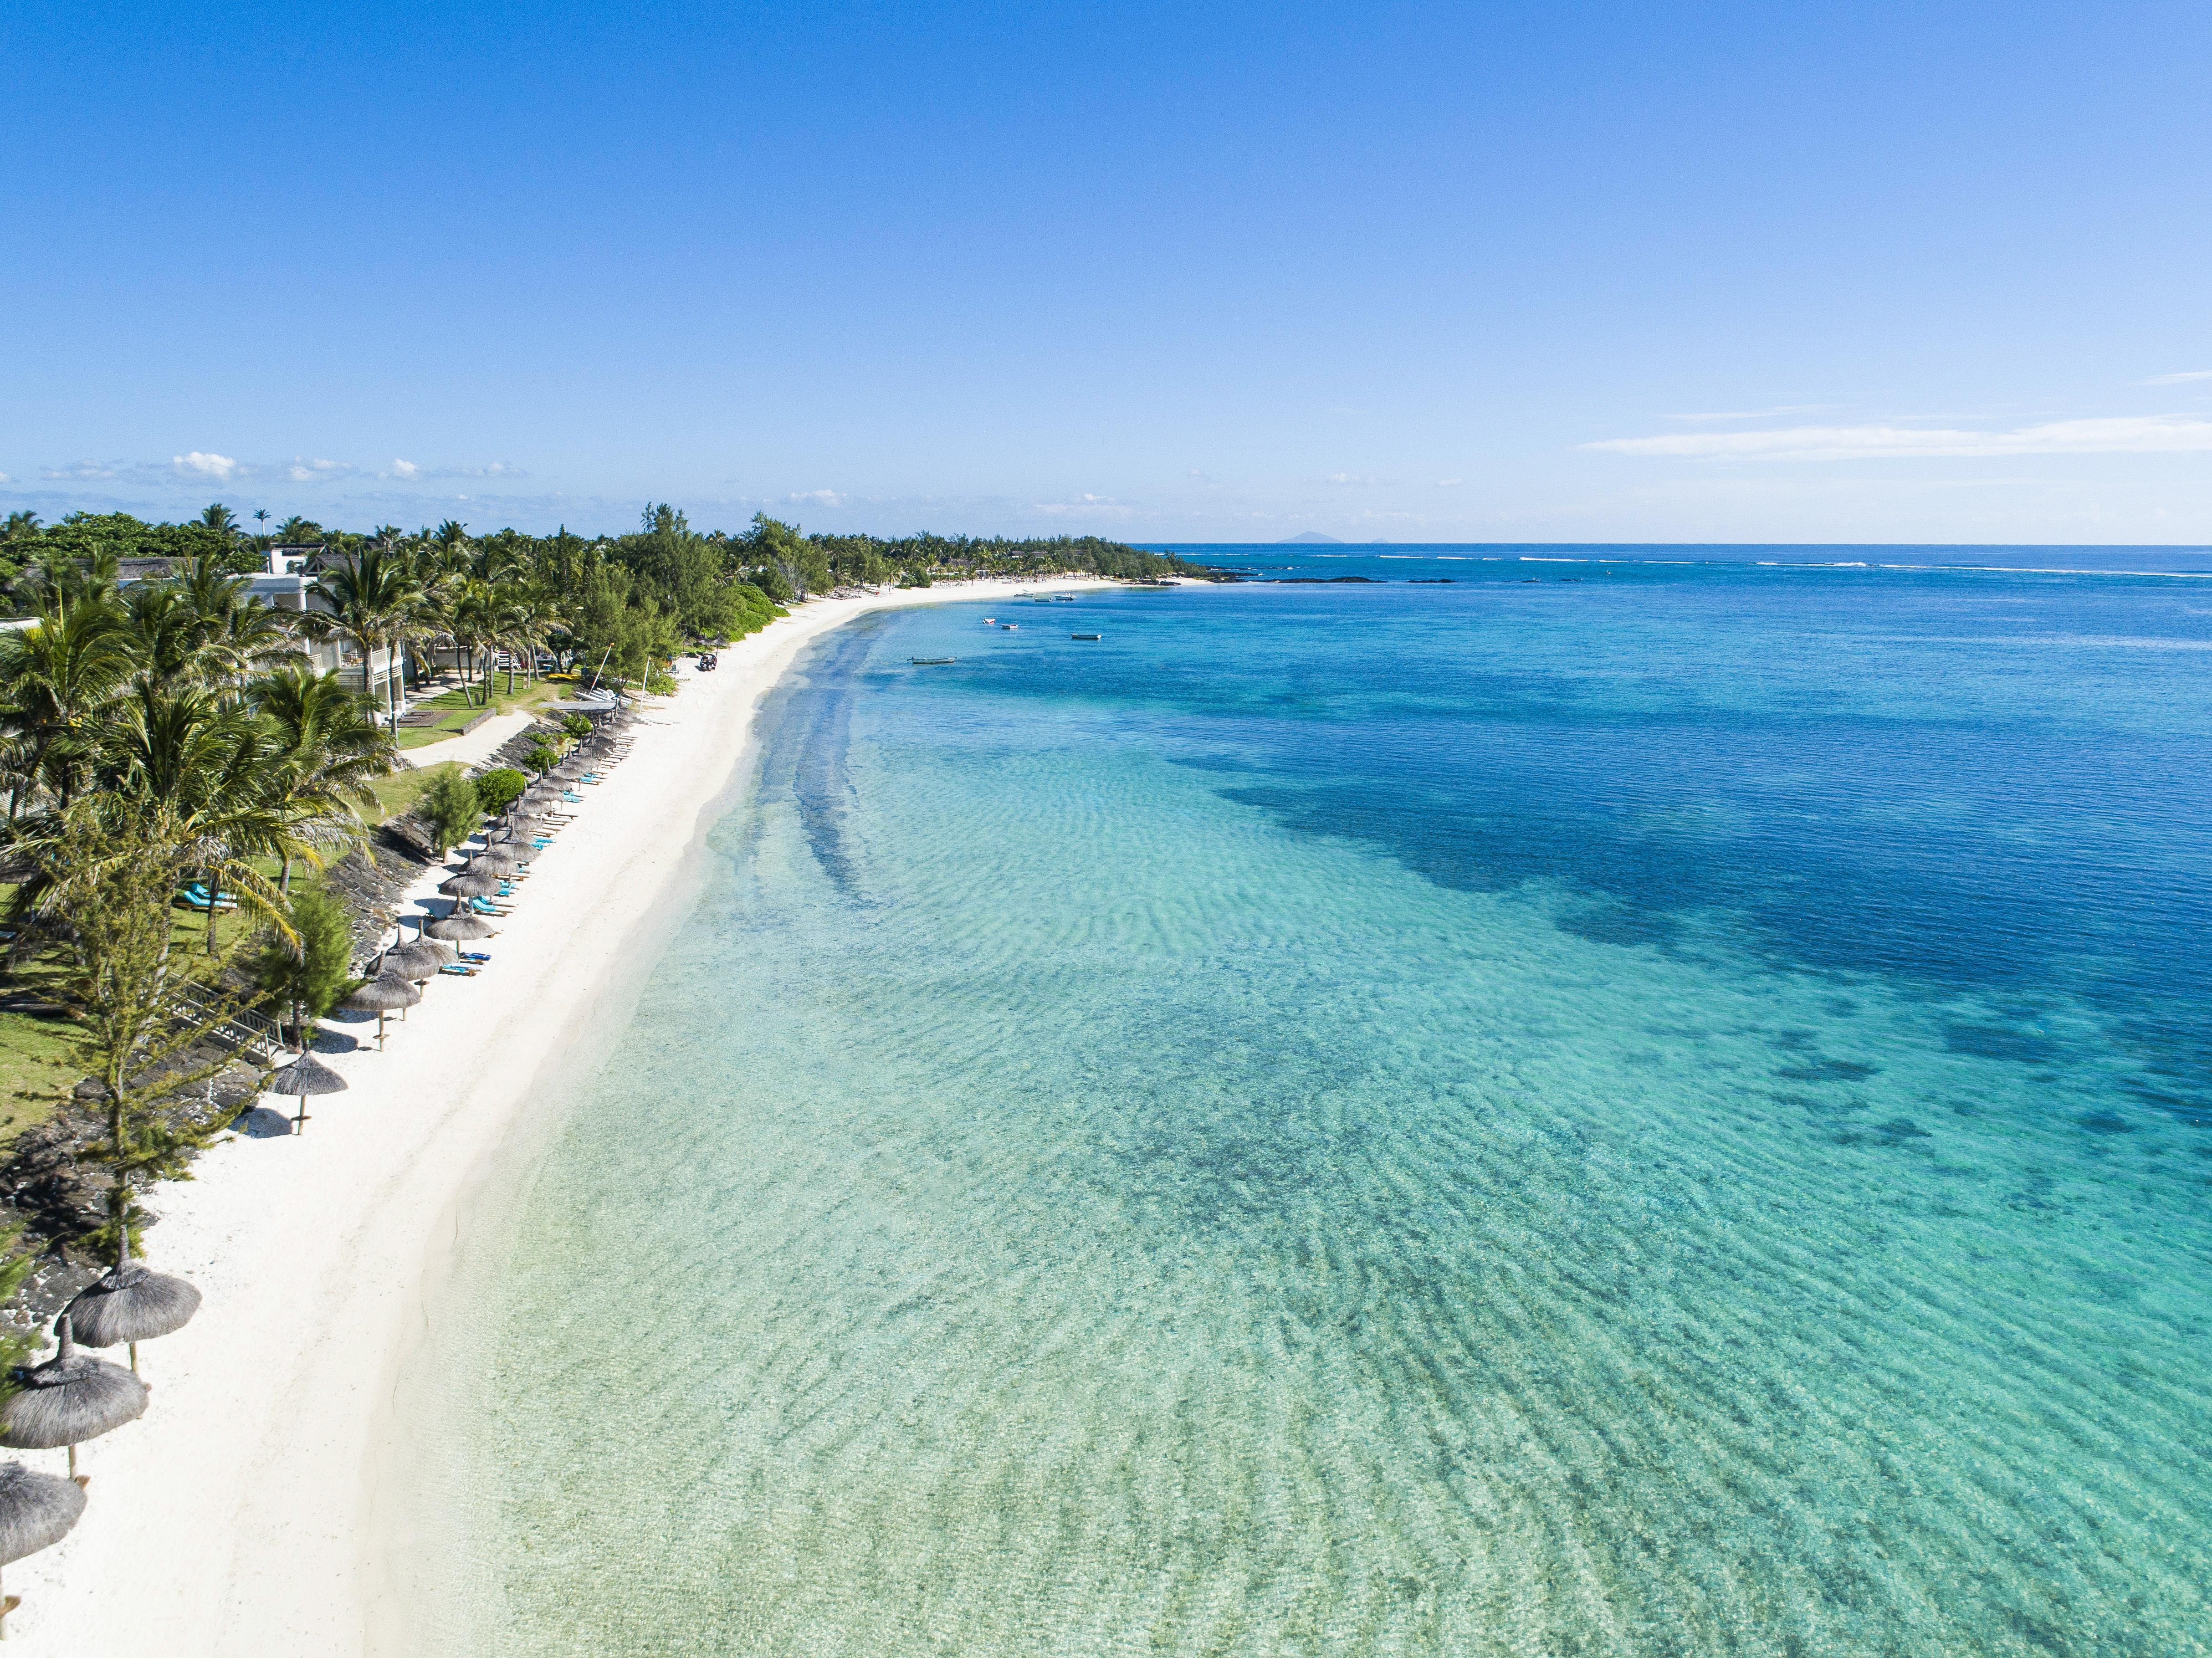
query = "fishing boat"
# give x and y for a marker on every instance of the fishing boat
(932, 661)
(1086, 635)
(1008, 627)
(1063, 598)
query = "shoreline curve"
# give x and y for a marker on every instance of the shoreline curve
(245, 1515)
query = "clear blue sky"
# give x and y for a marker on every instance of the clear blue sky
(1652, 271)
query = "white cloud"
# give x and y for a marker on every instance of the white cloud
(410, 471)
(312, 471)
(1449, 483)
(1089, 506)
(85, 470)
(820, 497)
(2182, 378)
(2117, 435)
(1345, 477)
(215, 467)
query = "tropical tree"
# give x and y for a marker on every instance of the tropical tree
(109, 866)
(58, 673)
(221, 520)
(200, 768)
(451, 809)
(327, 748)
(373, 597)
(307, 972)
(474, 618)
(238, 635)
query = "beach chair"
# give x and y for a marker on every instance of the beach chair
(458, 971)
(196, 894)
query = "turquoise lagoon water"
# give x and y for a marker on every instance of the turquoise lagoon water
(1668, 1112)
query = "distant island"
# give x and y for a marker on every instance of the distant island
(1310, 539)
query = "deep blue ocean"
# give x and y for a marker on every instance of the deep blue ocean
(1656, 1105)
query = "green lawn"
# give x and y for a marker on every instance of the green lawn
(458, 708)
(39, 1060)
(395, 793)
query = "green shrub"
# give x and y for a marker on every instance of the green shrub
(450, 810)
(307, 976)
(497, 790)
(577, 725)
(660, 683)
(543, 757)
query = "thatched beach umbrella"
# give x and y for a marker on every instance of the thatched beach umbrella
(420, 960)
(131, 1302)
(304, 1076)
(495, 860)
(380, 995)
(461, 925)
(36, 1512)
(69, 1399)
(469, 884)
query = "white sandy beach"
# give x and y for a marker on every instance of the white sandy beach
(234, 1519)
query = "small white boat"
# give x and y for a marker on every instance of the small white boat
(1086, 635)
(1008, 627)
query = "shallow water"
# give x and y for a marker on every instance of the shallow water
(1665, 1113)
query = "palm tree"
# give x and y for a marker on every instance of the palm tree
(476, 619)
(161, 631)
(220, 518)
(238, 635)
(201, 765)
(373, 596)
(60, 672)
(327, 748)
(529, 624)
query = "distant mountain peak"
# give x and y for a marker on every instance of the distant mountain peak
(1310, 539)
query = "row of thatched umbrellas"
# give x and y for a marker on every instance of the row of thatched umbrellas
(402, 970)
(73, 1397)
